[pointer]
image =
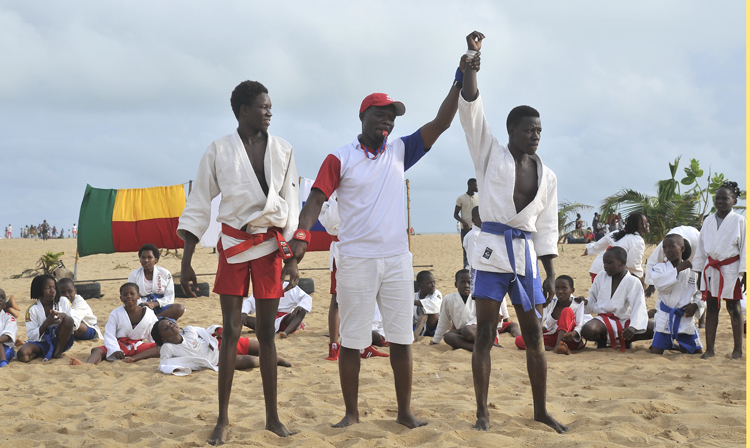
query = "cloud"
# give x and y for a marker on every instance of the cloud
(129, 94)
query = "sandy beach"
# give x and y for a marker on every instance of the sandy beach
(607, 398)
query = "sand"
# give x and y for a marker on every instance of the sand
(607, 398)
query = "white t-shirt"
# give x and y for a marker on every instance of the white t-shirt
(371, 196)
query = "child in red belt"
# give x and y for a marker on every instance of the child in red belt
(172, 342)
(127, 328)
(562, 320)
(618, 300)
(720, 257)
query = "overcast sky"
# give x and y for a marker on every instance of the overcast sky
(129, 94)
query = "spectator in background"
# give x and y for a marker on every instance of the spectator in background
(465, 204)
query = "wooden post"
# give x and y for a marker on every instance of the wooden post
(75, 268)
(408, 214)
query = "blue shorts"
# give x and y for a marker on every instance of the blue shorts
(663, 341)
(48, 348)
(159, 309)
(494, 286)
(9, 352)
(90, 334)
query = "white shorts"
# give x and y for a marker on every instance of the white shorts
(360, 283)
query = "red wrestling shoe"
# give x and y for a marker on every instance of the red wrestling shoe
(372, 352)
(333, 351)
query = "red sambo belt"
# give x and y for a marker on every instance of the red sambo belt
(716, 264)
(254, 239)
(607, 317)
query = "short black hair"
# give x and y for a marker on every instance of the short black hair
(461, 272)
(733, 188)
(568, 279)
(65, 281)
(619, 253)
(519, 113)
(422, 276)
(37, 287)
(155, 333)
(129, 285)
(245, 93)
(148, 246)
(688, 249)
(471, 180)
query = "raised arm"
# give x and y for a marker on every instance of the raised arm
(432, 130)
(470, 90)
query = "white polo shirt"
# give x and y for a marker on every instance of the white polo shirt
(371, 195)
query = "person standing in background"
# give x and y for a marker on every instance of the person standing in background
(465, 204)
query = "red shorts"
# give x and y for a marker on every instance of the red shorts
(333, 279)
(127, 348)
(504, 327)
(243, 346)
(264, 272)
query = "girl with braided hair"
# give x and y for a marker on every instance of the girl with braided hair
(720, 258)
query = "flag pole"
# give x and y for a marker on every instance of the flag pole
(75, 267)
(408, 214)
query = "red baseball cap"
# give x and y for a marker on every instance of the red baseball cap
(381, 99)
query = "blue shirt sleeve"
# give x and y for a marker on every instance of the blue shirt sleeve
(413, 149)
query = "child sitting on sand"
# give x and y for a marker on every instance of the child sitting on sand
(50, 322)
(127, 327)
(293, 307)
(155, 284)
(426, 305)
(196, 348)
(677, 300)
(10, 306)
(562, 320)
(8, 333)
(457, 325)
(87, 329)
(617, 297)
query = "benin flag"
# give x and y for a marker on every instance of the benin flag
(124, 220)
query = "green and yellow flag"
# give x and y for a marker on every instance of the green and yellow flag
(124, 220)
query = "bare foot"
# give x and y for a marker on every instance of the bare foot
(737, 354)
(19, 343)
(283, 362)
(218, 435)
(552, 423)
(279, 429)
(482, 424)
(410, 421)
(708, 354)
(562, 349)
(75, 361)
(283, 335)
(348, 420)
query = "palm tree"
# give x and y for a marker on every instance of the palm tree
(565, 225)
(671, 207)
(663, 214)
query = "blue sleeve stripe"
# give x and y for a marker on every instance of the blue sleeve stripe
(413, 149)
